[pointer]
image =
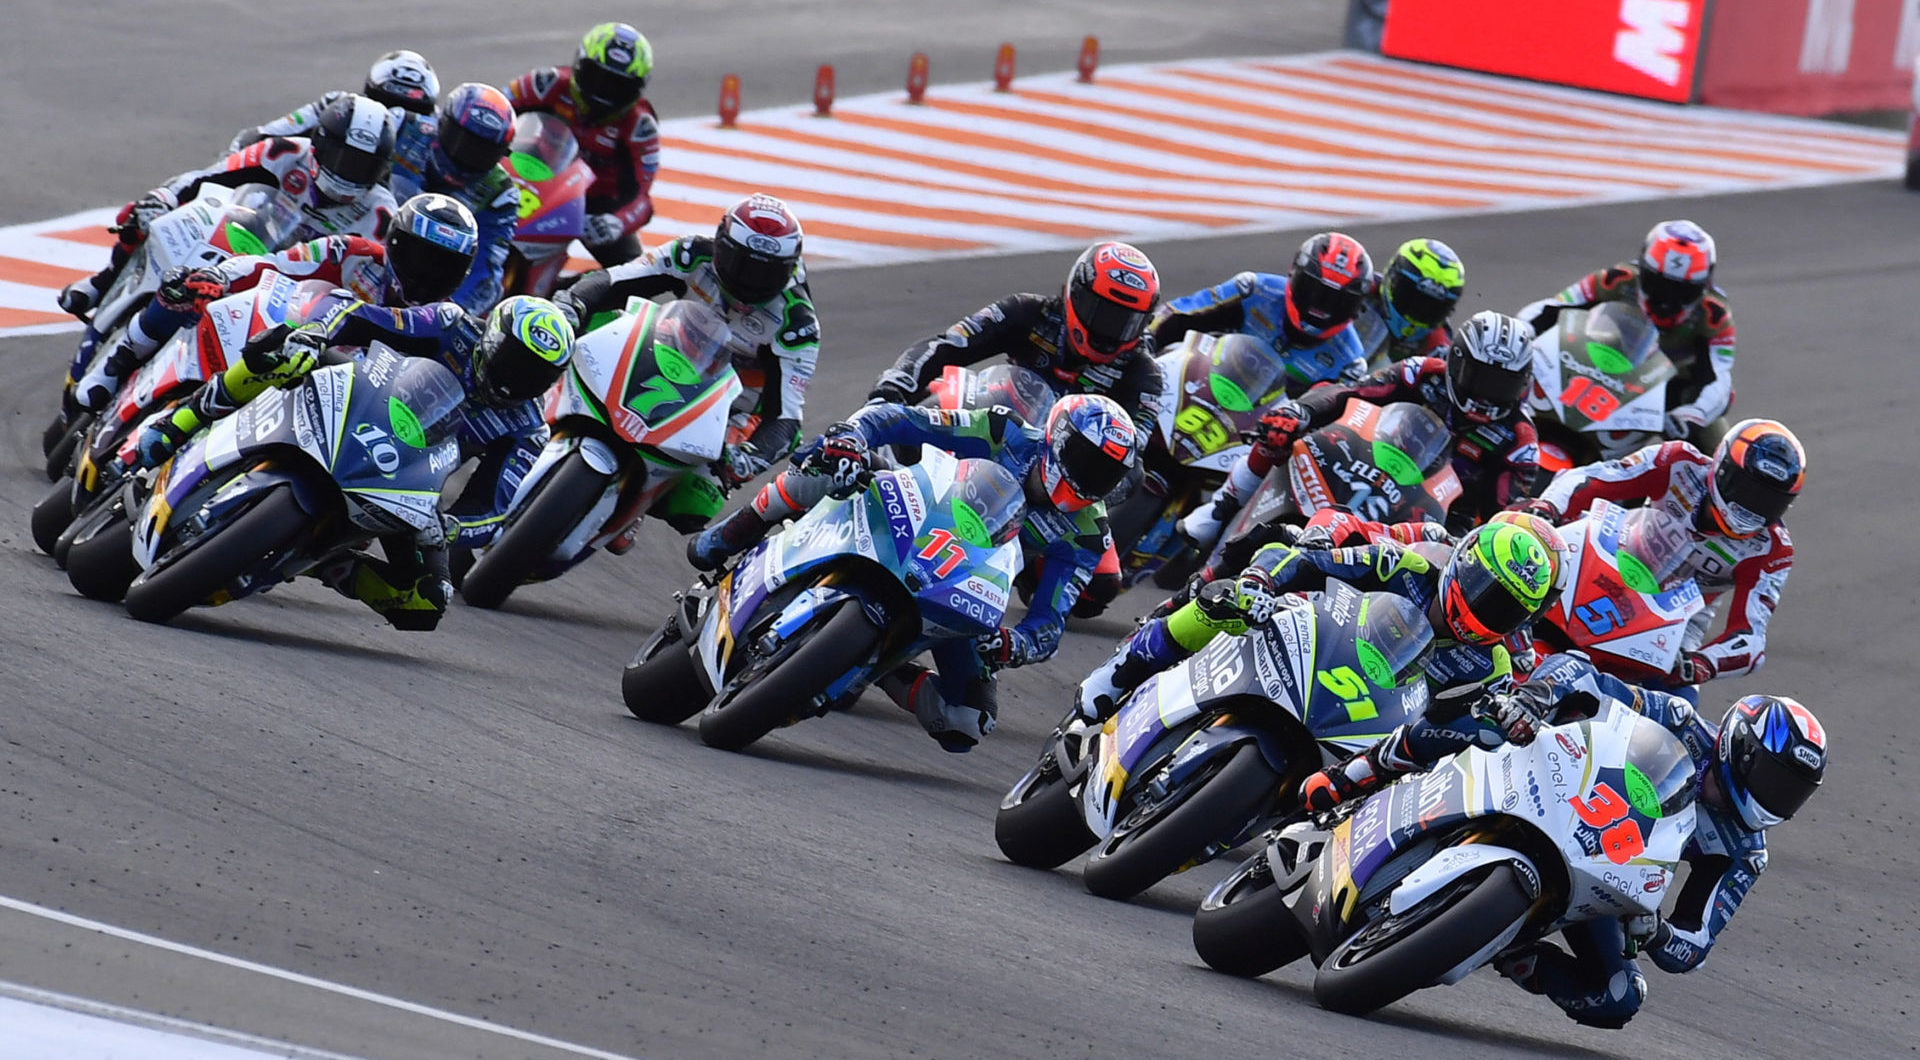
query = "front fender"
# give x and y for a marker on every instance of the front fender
(1454, 862)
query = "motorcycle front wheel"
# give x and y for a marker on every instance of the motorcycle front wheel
(1244, 927)
(771, 693)
(213, 561)
(1157, 841)
(557, 506)
(1040, 824)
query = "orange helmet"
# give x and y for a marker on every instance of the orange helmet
(1110, 295)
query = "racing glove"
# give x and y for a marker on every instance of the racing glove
(1520, 713)
(841, 455)
(1643, 932)
(740, 464)
(1683, 421)
(1002, 649)
(282, 358)
(1539, 506)
(1692, 668)
(601, 229)
(132, 221)
(570, 308)
(1279, 427)
(185, 290)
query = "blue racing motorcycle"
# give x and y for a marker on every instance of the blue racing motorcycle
(803, 622)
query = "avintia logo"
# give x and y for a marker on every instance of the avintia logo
(1652, 37)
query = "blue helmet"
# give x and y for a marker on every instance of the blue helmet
(430, 248)
(1772, 754)
(473, 131)
(1091, 444)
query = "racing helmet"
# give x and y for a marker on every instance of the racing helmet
(1490, 365)
(430, 248)
(1499, 577)
(1421, 286)
(1110, 294)
(1769, 759)
(526, 345)
(756, 249)
(1331, 275)
(1757, 472)
(1675, 267)
(474, 129)
(1088, 449)
(1548, 535)
(352, 144)
(610, 70)
(403, 79)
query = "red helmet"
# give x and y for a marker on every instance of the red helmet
(1676, 265)
(1757, 472)
(1110, 295)
(756, 249)
(1331, 275)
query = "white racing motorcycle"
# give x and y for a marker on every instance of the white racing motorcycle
(1438, 874)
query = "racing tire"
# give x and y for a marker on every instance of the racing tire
(662, 683)
(1397, 955)
(55, 430)
(176, 583)
(1143, 850)
(1040, 824)
(782, 692)
(1244, 928)
(52, 514)
(568, 493)
(100, 565)
(60, 454)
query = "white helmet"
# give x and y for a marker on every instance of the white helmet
(403, 79)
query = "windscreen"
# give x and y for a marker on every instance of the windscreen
(695, 333)
(1652, 545)
(1409, 442)
(1393, 638)
(545, 139)
(1243, 372)
(1017, 388)
(424, 402)
(988, 503)
(1659, 771)
(1619, 337)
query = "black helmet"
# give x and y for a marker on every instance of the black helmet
(352, 143)
(403, 79)
(610, 70)
(525, 347)
(1490, 365)
(430, 248)
(1772, 754)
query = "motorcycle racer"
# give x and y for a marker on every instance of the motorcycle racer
(1672, 283)
(503, 364)
(1754, 770)
(1405, 315)
(1733, 502)
(1081, 453)
(402, 81)
(1475, 390)
(1303, 317)
(751, 274)
(600, 97)
(457, 153)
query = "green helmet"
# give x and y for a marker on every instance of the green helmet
(1422, 284)
(610, 70)
(1499, 577)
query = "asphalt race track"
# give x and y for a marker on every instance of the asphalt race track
(469, 820)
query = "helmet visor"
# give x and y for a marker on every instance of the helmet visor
(750, 276)
(604, 88)
(1482, 388)
(1667, 297)
(1091, 469)
(468, 152)
(1776, 784)
(1320, 306)
(1111, 328)
(427, 272)
(510, 372)
(1483, 609)
(1419, 299)
(1751, 500)
(348, 165)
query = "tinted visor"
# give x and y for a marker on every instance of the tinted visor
(605, 88)
(1320, 306)
(748, 276)
(1776, 783)
(1483, 387)
(410, 98)
(1090, 470)
(427, 271)
(1487, 600)
(432, 394)
(1419, 299)
(510, 373)
(469, 153)
(1111, 327)
(348, 164)
(1668, 297)
(1757, 495)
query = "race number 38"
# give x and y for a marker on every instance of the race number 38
(1621, 842)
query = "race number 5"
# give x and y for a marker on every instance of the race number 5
(1622, 842)
(1352, 689)
(944, 545)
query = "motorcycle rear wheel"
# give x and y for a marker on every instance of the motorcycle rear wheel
(1397, 955)
(1039, 824)
(1141, 853)
(1248, 930)
(52, 514)
(557, 506)
(60, 454)
(783, 691)
(274, 523)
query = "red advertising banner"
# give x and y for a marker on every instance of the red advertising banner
(1636, 47)
(1810, 56)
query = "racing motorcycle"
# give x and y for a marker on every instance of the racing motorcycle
(1210, 752)
(1441, 872)
(217, 224)
(644, 402)
(805, 620)
(188, 360)
(1217, 387)
(544, 162)
(1385, 464)
(294, 477)
(1625, 608)
(1599, 386)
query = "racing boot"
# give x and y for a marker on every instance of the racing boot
(96, 388)
(82, 296)
(1100, 694)
(1355, 778)
(713, 547)
(956, 728)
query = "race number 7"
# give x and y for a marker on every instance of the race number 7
(943, 544)
(1623, 842)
